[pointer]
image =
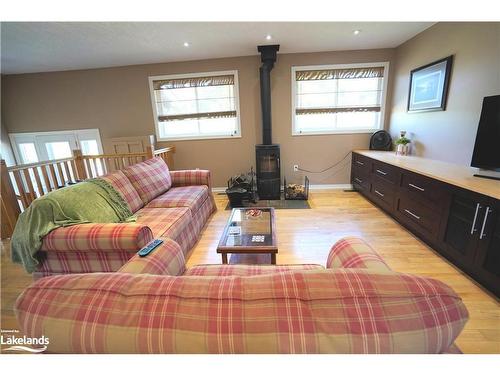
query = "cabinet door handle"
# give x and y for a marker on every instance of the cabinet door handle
(379, 193)
(416, 187)
(381, 172)
(482, 234)
(358, 180)
(412, 214)
(359, 162)
(473, 229)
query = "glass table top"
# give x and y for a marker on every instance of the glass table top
(248, 227)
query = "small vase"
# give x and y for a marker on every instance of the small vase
(403, 149)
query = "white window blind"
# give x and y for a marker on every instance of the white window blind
(196, 105)
(338, 99)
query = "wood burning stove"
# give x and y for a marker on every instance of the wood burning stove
(267, 154)
(268, 171)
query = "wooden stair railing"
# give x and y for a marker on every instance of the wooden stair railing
(10, 206)
(167, 154)
(22, 184)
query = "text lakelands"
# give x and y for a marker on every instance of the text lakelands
(24, 340)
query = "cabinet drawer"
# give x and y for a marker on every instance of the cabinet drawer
(428, 191)
(361, 162)
(383, 193)
(421, 218)
(385, 172)
(360, 179)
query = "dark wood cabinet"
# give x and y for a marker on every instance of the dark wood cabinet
(471, 238)
(487, 257)
(423, 189)
(459, 238)
(462, 225)
(420, 217)
(360, 180)
(383, 193)
(385, 172)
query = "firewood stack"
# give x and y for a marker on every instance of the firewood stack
(295, 191)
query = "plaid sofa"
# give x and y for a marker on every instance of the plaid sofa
(154, 305)
(168, 204)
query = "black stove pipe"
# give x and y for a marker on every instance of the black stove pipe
(268, 58)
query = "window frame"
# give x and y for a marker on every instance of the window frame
(384, 64)
(151, 79)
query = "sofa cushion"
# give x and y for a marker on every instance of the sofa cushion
(246, 270)
(150, 178)
(184, 196)
(165, 222)
(123, 185)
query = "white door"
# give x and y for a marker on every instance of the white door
(56, 146)
(43, 146)
(25, 149)
(89, 141)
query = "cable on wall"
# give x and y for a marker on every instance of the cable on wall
(326, 169)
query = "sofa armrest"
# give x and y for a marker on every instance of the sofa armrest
(166, 259)
(98, 237)
(191, 177)
(353, 252)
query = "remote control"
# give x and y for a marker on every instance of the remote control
(149, 247)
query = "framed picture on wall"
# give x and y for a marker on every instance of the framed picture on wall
(429, 86)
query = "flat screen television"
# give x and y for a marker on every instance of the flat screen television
(486, 153)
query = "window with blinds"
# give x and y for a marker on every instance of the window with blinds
(196, 106)
(338, 98)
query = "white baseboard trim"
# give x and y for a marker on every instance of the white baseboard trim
(311, 187)
(330, 187)
(219, 189)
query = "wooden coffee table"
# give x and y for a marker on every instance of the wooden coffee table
(249, 231)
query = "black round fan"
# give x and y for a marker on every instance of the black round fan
(381, 140)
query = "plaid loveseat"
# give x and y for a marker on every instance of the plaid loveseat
(168, 204)
(154, 305)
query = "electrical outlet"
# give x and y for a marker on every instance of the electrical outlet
(296, 168)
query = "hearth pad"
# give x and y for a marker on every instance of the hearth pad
(277, 204)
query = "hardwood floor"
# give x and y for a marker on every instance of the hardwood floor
(305, 236)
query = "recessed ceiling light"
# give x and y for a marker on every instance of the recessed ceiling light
(268, 37)
(186, 44)
(356, 32)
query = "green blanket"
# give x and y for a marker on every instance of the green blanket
(91, 201)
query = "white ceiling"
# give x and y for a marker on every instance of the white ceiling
(45, 46)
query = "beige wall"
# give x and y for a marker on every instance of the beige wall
(117, 101)
(448, 135)
(316, 152)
